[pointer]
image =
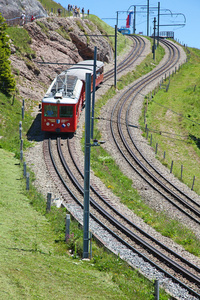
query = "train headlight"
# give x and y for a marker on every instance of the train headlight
(68, 124)
(47, 123)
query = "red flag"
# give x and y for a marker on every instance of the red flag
(127, 22)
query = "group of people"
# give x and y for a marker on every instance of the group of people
(76, 11)
(23, 18)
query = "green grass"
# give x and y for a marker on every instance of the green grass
(22, 41)
(63, 33)
(176, 112)
(52, 6)
(34, 257)
(33, 251)
(108, 171)
(43, 27)
(10, 116)
(105, 29)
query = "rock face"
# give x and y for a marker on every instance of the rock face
(56, 40)
(13, 8)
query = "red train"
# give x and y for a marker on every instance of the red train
(64, 99)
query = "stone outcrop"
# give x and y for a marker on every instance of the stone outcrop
(13, 8)
(56, 40)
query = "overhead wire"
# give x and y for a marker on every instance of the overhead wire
(176, 113)
(160, 132)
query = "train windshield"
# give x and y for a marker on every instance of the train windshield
(50, 111)
(66, 111)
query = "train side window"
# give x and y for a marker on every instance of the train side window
(50, 111)
(66, 111)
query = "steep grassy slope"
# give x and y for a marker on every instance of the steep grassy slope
(37, 262)
(173, 118)
(34, 257)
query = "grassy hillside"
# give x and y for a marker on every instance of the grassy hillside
(34, 258)
(173, 119)
(52, 6)
(106, 168)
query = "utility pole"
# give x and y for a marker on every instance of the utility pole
(154, 38)
(134, 21)
(158, 31)
(93, 91)
(115, 76)
(147, 17)
(86, 211)
(117, 19)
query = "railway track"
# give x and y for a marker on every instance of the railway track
(124, 230)
(125, 143)
(137, 50)
(59, 157)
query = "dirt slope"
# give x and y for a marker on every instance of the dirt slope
(54, 39)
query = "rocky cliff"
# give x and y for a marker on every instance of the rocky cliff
(13, 8)
(56, 40)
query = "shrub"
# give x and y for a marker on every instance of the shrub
(7, 81)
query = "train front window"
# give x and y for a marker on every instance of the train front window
(66, 111)
(50, 111)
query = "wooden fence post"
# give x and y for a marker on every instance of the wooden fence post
(156, 148)
(48, 208)
(24, 173)
(193, 183)
(181, 172)
(27, 181)
(171, 167)
(67, 228)
(156, 289)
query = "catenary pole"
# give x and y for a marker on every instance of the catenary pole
(86, 212)
(158, 31)
(147, 17)
(93, 92)
(134, 21)
(115, 76)
(154, 38)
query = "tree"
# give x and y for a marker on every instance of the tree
(7, 81)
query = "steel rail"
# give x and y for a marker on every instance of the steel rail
(127, 62)
(175, 279)
(73, 179)
(197, 212)
(130, 91)
(148, 162)
(187, 274)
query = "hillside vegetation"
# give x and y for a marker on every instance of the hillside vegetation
(7, 82)
(173, 118)
(34, 259)
(106, 168)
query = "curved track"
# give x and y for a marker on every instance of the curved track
(125, 143)
(138, 48)
(157, 254)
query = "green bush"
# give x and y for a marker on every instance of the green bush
(7, 81)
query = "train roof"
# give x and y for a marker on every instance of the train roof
(83, 67)
(64, 89)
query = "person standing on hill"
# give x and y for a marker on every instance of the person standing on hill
(59, 12)
(83, 12)
(23, 16)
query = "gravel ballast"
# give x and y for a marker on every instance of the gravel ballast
(34, 158)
